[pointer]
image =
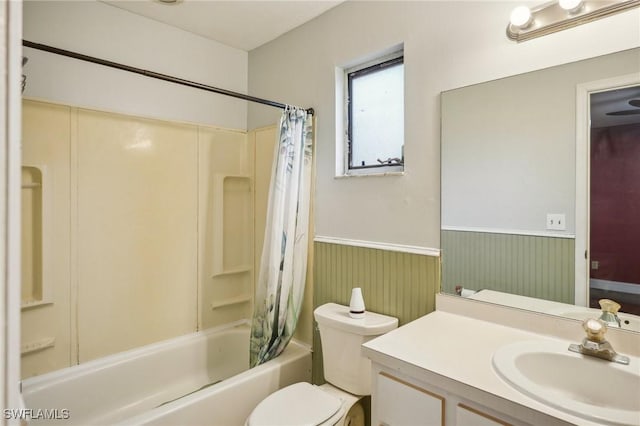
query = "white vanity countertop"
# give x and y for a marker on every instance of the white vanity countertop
(459, 348)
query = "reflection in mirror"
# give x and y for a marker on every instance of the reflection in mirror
(614, 197)
(509, 186)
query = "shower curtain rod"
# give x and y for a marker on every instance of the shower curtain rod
(153, 74)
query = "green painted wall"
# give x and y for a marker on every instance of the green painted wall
(403, 285)
(541, 267)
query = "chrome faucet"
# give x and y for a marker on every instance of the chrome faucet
(610, 312)
(595, 344)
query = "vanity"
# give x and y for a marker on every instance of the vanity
(522, 226)
(476, 363)
(521, 246)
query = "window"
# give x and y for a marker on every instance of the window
(375, 117)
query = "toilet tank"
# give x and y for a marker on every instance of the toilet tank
(342, 338)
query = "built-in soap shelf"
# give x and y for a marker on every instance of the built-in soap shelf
(233, 271)
(230, 301)
(35, 218)
(37, 345)
(233, 224)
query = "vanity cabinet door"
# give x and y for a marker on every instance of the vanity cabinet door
(468, 416)
(400, 403)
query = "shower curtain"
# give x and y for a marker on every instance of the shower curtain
(283, 266)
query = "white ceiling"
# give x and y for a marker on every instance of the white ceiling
(241, 24)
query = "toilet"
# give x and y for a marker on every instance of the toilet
(346, 370)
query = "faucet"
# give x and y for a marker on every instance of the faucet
(610, 312)
(595, 344)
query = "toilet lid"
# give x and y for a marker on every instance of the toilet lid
(301, 404)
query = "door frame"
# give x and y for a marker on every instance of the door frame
(10, 162)
(583, 171)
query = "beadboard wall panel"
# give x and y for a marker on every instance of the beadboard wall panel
(534, 266)
(393, 283)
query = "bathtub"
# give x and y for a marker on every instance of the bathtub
(197, 379)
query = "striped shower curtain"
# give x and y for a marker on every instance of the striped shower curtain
(283, 266)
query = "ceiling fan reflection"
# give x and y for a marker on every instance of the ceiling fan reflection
(634, 103)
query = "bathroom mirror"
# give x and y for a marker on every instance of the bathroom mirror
(508, 222)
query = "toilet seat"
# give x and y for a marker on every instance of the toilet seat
(300, 404)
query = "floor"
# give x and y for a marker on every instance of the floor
(630, 302)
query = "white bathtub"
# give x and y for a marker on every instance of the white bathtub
(154, 384)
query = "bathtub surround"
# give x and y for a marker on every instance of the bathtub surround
(133, 253)
(184, 55)
(51, 321)
(77, 331)
(283, 267)
(225, 226)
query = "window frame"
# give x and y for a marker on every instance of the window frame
(370, 67)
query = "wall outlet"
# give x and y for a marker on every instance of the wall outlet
(556, 221)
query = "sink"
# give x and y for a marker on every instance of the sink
(588, 387)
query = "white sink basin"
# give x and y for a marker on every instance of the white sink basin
(584, 386)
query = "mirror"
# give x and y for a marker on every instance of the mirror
(509, 187)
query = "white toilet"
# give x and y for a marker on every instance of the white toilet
(347, 371)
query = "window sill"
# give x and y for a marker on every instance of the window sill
(364, 175)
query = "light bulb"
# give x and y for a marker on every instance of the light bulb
(570, 5)
(521, 17)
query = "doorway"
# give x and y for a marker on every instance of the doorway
(614, 198)
(608, 192)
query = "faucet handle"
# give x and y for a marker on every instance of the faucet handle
(595, 344)
(610, 312)
(595, 329)
(608, 305)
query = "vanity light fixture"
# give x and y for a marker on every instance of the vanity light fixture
(559, 15)
(573, 6)
(521, 17)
